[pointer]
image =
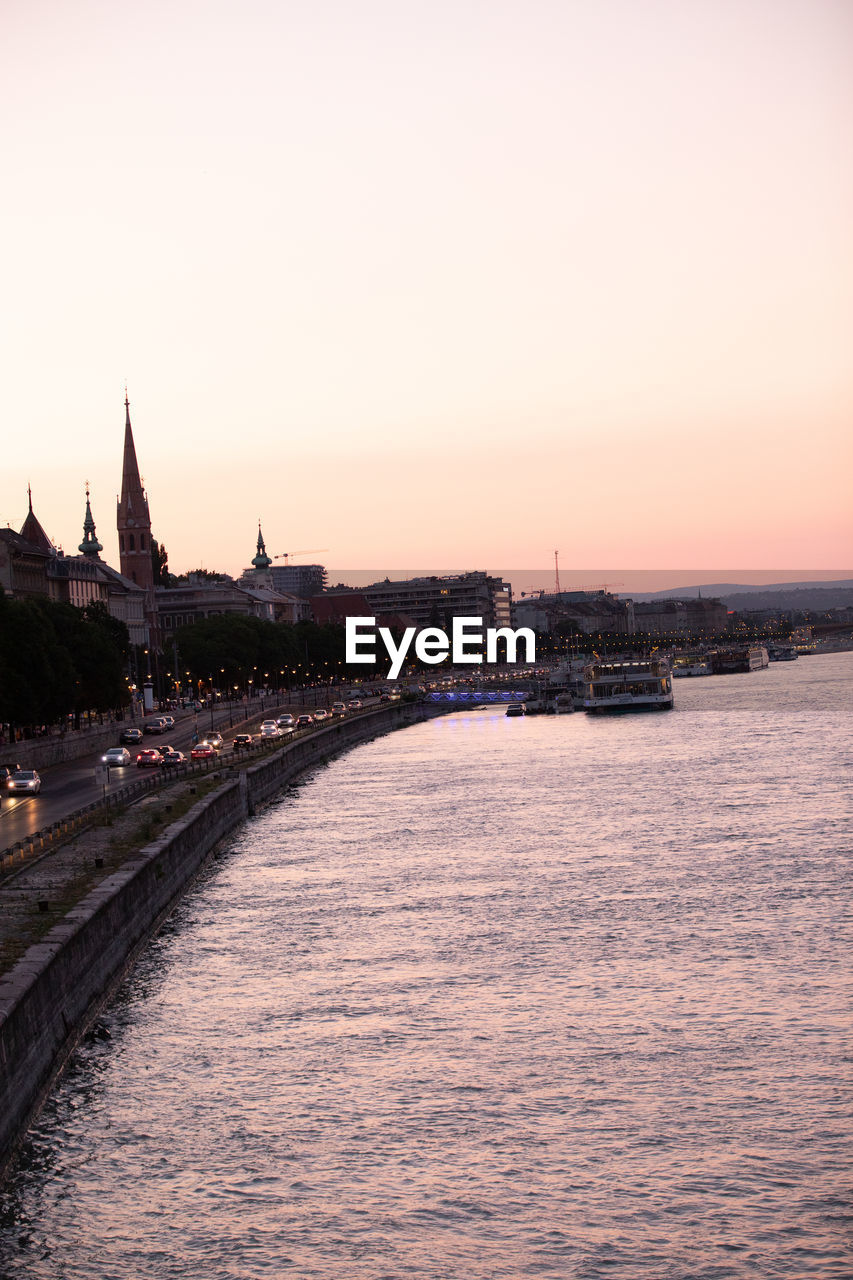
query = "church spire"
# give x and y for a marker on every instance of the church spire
(90, 545)
(132, 519)
(133, 500)
(33, 532)
(261, 560)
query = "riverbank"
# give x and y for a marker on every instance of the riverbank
(110, 889)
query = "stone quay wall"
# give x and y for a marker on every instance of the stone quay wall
(50, 996)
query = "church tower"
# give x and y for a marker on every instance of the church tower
(132, 518)
(89, 547)
(261, 560)
(134, 528)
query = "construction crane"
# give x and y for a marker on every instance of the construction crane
(307, 551)
(600, 586)
(557, 571)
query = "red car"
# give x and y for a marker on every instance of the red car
(203, 751)
(148, 760)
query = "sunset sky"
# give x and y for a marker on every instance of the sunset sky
(434, 284)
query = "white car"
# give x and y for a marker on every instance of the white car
(116, 756)
(286, 721)
(269, 729)
(26, 780)
(321, 714)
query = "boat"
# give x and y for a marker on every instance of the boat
(782, 653)
(742, 658)
(692, 664)
(643, 685)
(549, 704)
(516, 709)
(566, 683)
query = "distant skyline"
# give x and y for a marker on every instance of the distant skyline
(456, 284)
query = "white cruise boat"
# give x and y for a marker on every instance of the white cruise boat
(624, 685)
(692, 664)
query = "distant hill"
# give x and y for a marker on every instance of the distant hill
(816, 596)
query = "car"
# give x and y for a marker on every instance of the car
(354, 705)
(131, 737)
(6, 773)
(165, 749)
(303, 721)
(286, 721)
(203, 751)
(149, 759)
(171, 755)
(384, 697)
(169, 721)
(339, 709)
(26, 780)
(269, 729)
(214, 739)
(321, 714)
(241, 741)
(157, 725)
(116, 756)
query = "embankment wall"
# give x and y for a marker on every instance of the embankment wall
(50, 995)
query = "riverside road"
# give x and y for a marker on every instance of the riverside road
(70, 786)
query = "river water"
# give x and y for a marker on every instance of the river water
(490, 997)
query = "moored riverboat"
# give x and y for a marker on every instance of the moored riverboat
(782, 653)
(643, 685)
(692, 664)
(516, 709)
(741, 658)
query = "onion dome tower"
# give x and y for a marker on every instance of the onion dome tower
(261, 560)
(89, 546)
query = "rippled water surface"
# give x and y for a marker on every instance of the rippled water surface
(553, 997)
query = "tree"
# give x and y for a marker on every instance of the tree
(160, 564)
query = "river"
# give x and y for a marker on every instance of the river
(490, 997)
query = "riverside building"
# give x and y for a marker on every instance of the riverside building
(436, 601)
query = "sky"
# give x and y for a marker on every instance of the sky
(434, 284)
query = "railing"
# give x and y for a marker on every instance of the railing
(42, 841)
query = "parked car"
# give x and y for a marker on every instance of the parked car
(132, 737)
(116, 756)
(303, 721)
(203, 751)
(150, 759)
(26, 780)
(241, 741)
(286, 721)
(171, 755)
(213, 739)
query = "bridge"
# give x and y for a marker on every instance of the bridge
(468, 696)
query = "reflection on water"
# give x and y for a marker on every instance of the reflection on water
(490, 998)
